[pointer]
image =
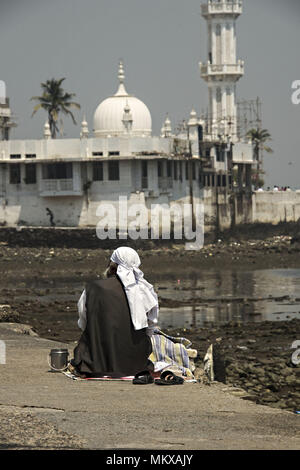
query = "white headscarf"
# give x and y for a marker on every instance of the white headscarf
(140, 294)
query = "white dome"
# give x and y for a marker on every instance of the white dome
(122, 114)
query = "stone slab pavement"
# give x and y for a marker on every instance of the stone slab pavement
(120, 415)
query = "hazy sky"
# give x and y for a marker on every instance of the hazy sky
(161, 43)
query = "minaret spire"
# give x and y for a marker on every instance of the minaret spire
(121, 76)
(223, 70)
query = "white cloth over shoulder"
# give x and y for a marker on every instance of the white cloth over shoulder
(142, 299)
(82, 311)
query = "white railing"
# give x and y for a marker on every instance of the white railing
(57, 185)
(212, 69)
(211, 8)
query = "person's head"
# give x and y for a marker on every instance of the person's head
(111, 270)
(123, 256)
(126, 257)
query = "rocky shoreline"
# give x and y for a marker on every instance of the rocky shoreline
(36, 262)
(257, 359)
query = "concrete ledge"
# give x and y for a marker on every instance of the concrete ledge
(119, 415)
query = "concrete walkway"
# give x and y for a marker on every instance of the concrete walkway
(119, 415)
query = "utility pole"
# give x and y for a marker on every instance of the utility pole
(190, 175)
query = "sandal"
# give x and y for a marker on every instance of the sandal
(143, 378)
(74, 371)
(168, 378)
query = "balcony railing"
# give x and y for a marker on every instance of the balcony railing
(212, 8)
(222, 69)
(58, 187)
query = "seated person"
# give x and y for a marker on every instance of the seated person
(117, 315)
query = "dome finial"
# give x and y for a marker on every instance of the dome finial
(121, 74)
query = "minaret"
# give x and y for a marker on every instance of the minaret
(222, 70)
(47, 131)
(127, 118)
(84, 129)
(166, 130)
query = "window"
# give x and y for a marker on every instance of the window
(97, 154)
(30, 155)
(220, 154)
(180, 170)
(56, 171)
(200, 176)
(144, 169)
(169, 169)
(144, 174)
(187, 170)
(194, 170)
(159, 169)
(113, 153)
(15, 173)
(176, 170)
(97, 171)
(113, 171)
(15, 156)
(30, 173)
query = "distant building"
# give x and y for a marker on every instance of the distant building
(70, 177)
(6, 121)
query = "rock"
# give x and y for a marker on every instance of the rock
(291, 380)
(260, 372)
(8, 315)
(285, 372)
(269, 399)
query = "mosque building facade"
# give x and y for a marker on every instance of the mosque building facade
(69, 178)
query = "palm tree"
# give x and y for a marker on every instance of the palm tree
(55, 100)
(259, 137)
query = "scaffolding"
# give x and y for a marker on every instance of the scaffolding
(249, 116)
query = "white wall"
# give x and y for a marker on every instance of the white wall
(275, 207)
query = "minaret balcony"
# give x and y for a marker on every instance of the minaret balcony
(219, 70)
(234, 7)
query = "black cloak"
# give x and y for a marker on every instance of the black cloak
(109, 344)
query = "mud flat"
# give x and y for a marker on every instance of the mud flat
(37, 261)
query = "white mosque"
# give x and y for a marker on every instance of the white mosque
(70, 177)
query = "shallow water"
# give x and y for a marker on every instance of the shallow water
(214, 297)
(239, 296)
